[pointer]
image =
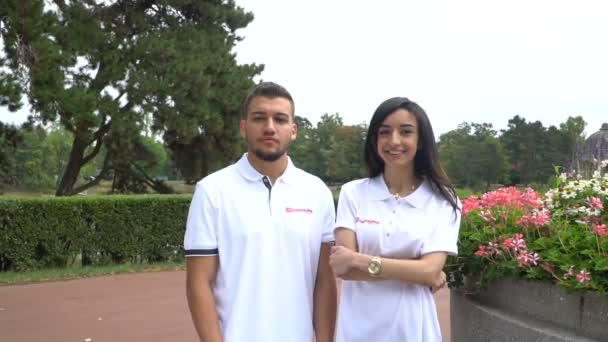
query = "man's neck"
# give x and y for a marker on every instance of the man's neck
(272, 169)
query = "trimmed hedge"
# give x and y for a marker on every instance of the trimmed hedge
(56, 232)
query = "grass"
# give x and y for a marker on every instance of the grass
(14, 278)
(102, 188)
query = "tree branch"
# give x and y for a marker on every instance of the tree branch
(61, 4)
(98, 178)
(157, 186)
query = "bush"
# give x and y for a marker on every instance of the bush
(560, 237)
(55, 232)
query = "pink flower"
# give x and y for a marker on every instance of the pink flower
(493, 248)
(595, 203)
(600, 229)
(537, 218)
(583, 277)
(469, 204)
(511, 197)
(570, 272)
(508, 244)
(481, 251)
(518, 242)
(527, 259)
(515, 243)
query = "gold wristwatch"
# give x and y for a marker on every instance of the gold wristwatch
(375, 266)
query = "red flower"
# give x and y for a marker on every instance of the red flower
(481, 251)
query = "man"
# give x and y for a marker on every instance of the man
(258, 238)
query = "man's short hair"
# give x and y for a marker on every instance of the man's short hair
(270, 90)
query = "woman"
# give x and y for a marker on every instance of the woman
(394, 231)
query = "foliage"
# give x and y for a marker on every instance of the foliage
(108, 70)
(54, 232)
(331, 150)
(534, 150)
(478, 157)
(560, 237)
(489, 164)
(9, 140)
(574, 131)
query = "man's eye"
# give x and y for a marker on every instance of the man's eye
(281, 120)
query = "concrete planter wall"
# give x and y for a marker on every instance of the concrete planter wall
(518, 310)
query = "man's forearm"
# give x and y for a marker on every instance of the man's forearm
(325, 306)
(204, 313)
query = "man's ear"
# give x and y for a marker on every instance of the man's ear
(294, 132)
(242, 129)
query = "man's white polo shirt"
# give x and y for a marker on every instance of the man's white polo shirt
(410, 227)
(268, 238)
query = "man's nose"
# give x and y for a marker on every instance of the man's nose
(269, 127)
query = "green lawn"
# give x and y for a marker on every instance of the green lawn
(11, 278)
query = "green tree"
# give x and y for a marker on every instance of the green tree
(160, 166)
(473, 156)
(103, 69)
(574, 131)
(304, 151)
(324, 140)
(10, 138)
(345, 154)
(534, 150)
(34, 164)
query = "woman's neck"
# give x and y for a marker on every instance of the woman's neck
(400, 181)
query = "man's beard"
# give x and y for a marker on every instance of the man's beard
(269, 156)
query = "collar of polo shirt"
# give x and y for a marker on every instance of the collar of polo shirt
(379, 192)
(251, 174)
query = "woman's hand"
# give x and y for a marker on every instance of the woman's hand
(341, 260)
(439, 282)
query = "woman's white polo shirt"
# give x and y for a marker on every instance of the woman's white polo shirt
(268, 239)
(410, 227)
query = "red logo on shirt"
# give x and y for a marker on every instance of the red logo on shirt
(298, 210)
(360, 220)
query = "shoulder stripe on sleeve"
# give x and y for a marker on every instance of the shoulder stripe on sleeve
(201, 252)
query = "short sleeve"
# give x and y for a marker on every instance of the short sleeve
(200, 238)
(329, 217)
(346, 213)
(445, 236)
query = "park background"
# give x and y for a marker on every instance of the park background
(144, 97)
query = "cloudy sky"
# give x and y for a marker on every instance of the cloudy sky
(467, 60)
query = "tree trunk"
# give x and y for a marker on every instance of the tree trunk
(72, 170)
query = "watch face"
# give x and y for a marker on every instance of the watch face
(374, 268)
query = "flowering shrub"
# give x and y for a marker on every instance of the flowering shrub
(560, 237)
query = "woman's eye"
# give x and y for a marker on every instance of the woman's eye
(384, 132)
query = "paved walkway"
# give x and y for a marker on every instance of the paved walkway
(147, 307)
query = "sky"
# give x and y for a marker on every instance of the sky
(467, 60)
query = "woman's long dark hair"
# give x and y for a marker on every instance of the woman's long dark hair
(426, 161)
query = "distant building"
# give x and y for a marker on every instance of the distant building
(594, 151)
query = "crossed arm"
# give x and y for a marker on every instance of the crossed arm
(347, 263)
